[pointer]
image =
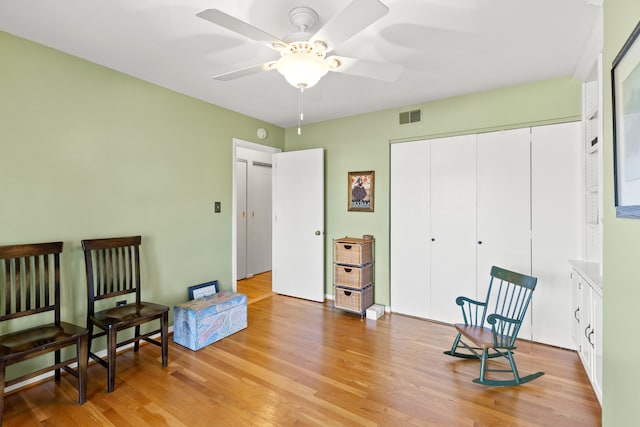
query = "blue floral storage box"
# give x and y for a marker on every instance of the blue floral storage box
(203, 321)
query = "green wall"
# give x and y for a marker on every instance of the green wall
(362, 143)
(89, 152)
(621, 269)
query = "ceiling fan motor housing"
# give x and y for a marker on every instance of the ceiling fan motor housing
(303, 18)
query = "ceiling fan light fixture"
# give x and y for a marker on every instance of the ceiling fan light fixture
(302, 69)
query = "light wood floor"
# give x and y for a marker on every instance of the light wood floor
(300, 363)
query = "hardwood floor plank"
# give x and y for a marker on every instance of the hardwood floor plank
(301, 363)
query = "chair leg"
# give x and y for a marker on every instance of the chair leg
(136, 344)
(472, 354)
(2, 369)
(82, 347)
(164, 338)
(483, 364)
(111, 359)
(512, 362)
(57, 371)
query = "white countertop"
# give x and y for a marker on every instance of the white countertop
(590, 271)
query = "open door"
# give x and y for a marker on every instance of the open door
(298, 224)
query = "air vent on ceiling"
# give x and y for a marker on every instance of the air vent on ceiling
(413, 116)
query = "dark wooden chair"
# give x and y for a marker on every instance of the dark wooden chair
(30, 286)
(113, 271)
(491, 326)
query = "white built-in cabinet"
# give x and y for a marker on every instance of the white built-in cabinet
(586, 272)
(462, 204)
(586, 316)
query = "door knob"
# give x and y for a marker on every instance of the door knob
(317, 232)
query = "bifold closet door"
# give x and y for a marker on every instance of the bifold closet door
(409, 250)
(556, 200)
(504, 202)
(504, 206)
(259, 238)
(453, 225)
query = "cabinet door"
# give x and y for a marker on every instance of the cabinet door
(586, 349)
(576, 309)
(453, 225)
(556, 232)
(409, 250)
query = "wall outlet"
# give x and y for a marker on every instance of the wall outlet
(119, 303)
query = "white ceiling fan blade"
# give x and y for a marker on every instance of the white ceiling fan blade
(358, 15)
(232, 75)
(229, 22)
(363, 68)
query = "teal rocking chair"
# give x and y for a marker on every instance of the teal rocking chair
(491, 327)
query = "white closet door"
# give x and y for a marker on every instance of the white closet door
(410, 228)
(453, 225)
(241, 218)
(259, 221)
(504, 206)
(556, 190)
(504, 203)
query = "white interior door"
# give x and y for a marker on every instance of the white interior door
(410, 236)
(241, 218)
(453, 225)
(298, 224)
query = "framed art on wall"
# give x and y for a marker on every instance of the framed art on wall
(360, 191)
(625, 83)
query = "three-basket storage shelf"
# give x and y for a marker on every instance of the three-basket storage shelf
(353, 274)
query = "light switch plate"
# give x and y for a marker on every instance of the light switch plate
(217, 207)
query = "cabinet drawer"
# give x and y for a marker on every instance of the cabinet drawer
(353, 277)
(353, 300)
(353, 251)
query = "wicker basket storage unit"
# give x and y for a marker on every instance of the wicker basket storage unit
(353, 277)
(353, 251)
(353, 274)
(353, 300)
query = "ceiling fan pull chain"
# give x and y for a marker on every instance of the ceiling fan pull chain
(301, 116)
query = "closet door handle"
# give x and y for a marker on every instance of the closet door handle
(479, 242)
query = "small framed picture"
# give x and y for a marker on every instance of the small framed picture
(203, 290)
(360, 191)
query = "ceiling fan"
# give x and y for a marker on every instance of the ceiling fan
(303, 55)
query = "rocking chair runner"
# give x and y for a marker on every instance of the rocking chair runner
(491, 326)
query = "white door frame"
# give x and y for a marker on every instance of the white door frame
(234, 247)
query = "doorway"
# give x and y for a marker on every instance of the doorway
(252, 211)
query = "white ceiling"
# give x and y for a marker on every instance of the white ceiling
(447, 48)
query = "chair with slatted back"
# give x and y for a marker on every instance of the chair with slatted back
(30, 287)
(491, 326)
(113, 271)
